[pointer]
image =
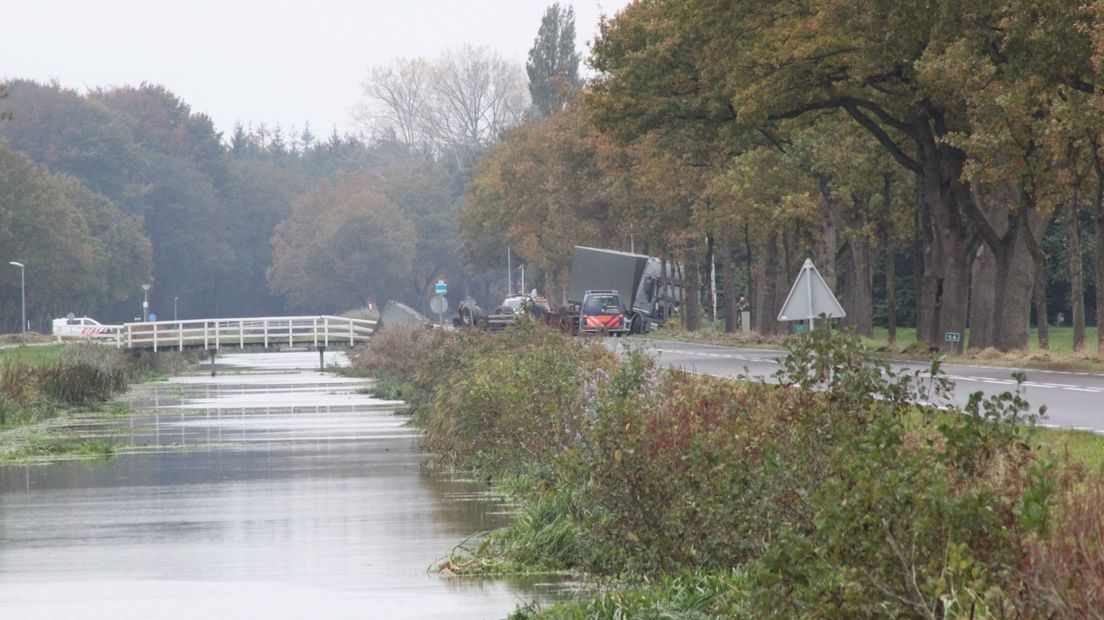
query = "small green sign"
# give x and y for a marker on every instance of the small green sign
(952, 337)
(799, 328)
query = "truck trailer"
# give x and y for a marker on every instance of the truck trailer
(648, 298)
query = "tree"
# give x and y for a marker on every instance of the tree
(541, 190)
(80, 251)
(454, 107)
(344, 243)
(553, 66)
(903, 73)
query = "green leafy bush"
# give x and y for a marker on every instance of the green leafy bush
(512, 401)
(846, 490)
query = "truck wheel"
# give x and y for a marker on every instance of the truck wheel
(636, 326)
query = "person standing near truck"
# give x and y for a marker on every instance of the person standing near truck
(742, 306)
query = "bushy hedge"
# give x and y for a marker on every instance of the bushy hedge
(835, 493)
(84, 374)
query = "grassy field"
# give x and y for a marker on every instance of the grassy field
(1061, 339)
(34, 355)
(1081, 446)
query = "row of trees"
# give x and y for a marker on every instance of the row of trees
(944, 138)
(109, 190)
(266, 219)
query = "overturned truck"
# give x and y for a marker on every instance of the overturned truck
(649, 290)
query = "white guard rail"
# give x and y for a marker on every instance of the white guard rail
(259, 331)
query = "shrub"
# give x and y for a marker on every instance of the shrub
(510, 401)
(850, 490)
(398, 352)
(1063, 572)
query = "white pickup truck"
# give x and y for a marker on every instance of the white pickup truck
(82, 327)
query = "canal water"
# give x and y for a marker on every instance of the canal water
(270, 491)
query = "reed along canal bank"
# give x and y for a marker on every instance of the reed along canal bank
(271, 490)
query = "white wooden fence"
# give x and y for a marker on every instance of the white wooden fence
(312, 331)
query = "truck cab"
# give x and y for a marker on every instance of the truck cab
(601, 312)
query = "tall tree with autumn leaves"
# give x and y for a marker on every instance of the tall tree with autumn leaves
(920, 79)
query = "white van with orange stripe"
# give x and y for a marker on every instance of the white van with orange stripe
(602, 313)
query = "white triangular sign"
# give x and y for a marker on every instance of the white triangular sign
(810, 297)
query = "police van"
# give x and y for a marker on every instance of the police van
(82, 327)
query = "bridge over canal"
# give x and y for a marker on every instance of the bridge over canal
(322, 331)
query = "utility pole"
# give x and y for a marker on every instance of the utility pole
(22, 297)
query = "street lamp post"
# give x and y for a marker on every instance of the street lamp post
(145, 302)
(22, 296)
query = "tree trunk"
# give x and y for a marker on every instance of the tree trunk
(855, 278)
(891, 292)
(889, 253)
(861, 313)
(1077, 278)
(747, 264)
(692, 317)
(926, 328)
(1098, 241)
(1042, 321)
(1004, 271)
(710, 282)
(983, 274)
(766, 289)
(730, 311)
(829, 232)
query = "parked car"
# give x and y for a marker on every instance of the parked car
(82, 327)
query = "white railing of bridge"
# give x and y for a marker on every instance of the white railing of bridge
(315, 331)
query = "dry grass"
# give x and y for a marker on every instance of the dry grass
(32, 338)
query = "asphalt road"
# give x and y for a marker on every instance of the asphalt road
(1073, 399)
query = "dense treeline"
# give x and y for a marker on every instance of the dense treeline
(115, 188)
(946, 157)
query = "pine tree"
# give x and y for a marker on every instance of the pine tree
(239, 141)
(553, 65)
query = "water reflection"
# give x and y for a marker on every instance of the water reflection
(277, 495)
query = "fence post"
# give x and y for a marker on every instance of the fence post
(241, 334)
(266, 333)
(326, 330)
(180, 334)
(154, 326)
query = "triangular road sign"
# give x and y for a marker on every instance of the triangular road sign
(810, 297)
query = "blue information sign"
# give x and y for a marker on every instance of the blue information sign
(440, 288)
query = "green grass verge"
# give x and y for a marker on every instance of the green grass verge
(691, 595)
(1081, 446)
(33, 355)
(37, 447)
(1061, 339)
(390, 389)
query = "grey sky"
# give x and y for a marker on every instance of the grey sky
(260, 61)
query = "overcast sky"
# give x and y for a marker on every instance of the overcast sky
(261, 60)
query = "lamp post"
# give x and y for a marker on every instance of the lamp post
(174, 307)
(22, 295)
(145, 302)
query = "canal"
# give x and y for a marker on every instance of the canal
(270, 491)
